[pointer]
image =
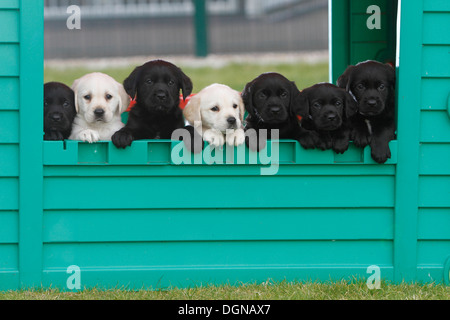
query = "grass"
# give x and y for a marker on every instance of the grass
(269, 290)
(235, 75)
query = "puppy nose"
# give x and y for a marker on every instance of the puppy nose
(231, 120)
(332, 117)
(99, 112)
(161, 95)
(275, 110)
(371, 102)
(56, 117)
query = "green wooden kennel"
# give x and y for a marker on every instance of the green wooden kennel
(136, 218)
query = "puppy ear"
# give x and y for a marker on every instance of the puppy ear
(300, 105)
(130, 83)
(391, 74)
(192, 110)
(186, 84)
(351, 106)
(241, 108)
(75, 91)
(124, 99)
(247, 95)
(345, 79)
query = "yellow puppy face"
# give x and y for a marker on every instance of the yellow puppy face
(217, 107)
(99, 98)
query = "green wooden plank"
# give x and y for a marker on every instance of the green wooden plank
(9, 160)
(9, 126)
(362, 51)
(339, 37)
(434, 159)
(217, 170)
(433, 25)
(435, 93)
(436, 61)
(222, 253)
(235, 224)
(360, 6)
(9, 280)
(10, 59)
(9, 4)
(9, 91)
(163, 278)
(9, 227)
(9, 197)
(435, 126)
(436, 5)
(8, 257)
(434, 224)
(260, 192)
(9, 20)
(434, 191)
(432, 252)
(30, 132)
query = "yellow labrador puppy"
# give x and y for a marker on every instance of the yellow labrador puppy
(99, 101)
(217, 114)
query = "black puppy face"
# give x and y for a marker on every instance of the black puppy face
(59, 108)
(325, 105)
(269, 98)
(372, 84)
(157, 85)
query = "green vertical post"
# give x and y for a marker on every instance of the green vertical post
(201, 28)
(30, 144)
(407, 178)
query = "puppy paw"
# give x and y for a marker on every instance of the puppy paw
(254, 142)
(89, 135)
(324, 144)
(380, 153)
(309, 140)
(340, 146)
(196, 144)
(122, 139)
(214, 138)
(235, 138)
(53, 136)
(360, 140)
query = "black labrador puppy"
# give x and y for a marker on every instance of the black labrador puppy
(59, 111)
(269, 101)
(374, 123)
(324, 109)
(156, 88)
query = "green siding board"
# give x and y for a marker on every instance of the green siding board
(235, 224)
(9, 197)
(434, 224)
(10, 59)
(432, 252)
(434, 191)
(9, 20)
(434, 159)
(8, 257)
(435, 126)
(435, 93)
(9, 91)
(9, 126)
(436, 27)
(9, 159)
(217, 253)
(436, 61)
(9, 4)
(288, 192)
(9, 227)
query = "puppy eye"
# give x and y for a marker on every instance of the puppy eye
(235, 106)
(171, 83)
(45, 103)
(215, 109)
(338, 104)
(108, 97)
(262, 95)
(381, 87)
(284, 95)
(360, 86)
(87, 97)
(316, 105)
(148, 81)
(66, 104)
